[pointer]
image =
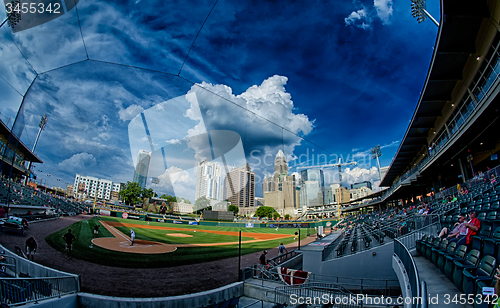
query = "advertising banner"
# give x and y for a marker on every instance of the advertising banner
(104, 212)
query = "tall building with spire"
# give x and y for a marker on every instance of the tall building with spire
(280, 191)
(142, 168)
(239, 189)
(209, 181)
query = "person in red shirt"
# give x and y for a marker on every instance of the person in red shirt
(473, 227)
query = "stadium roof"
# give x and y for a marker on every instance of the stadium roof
(455, 44)
(22, 148)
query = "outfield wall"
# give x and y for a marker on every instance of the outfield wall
(250, 224)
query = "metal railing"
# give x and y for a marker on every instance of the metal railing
(318, 294)
(411, 270)
(19, 291)
(409, 240)
(368, 286)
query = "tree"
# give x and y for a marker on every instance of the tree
(147, 193)
(234, 209)
(131, 193)
(287, 216)
(201, 203)
(265, 211)
(183, 200)
(276, 215)
(169, 198)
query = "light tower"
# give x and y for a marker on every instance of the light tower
(15, 14)
(418, 10)
(376, 153)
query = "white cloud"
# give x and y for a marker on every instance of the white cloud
(78, 162)
(359, 18)
(363, 17)
(130, 112)
(176, 175)
(257, 115)
(173, 141)
(390, 145)
(356, 175)
(384, 10)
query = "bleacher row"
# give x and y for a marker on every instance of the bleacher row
(26, 195)
(470, 267)
(376, 229)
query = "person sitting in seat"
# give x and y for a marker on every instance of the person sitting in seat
(459, 231)
(473, 226)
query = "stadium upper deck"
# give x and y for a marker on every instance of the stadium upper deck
(453, 132)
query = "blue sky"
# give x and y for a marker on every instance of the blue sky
(344, 75)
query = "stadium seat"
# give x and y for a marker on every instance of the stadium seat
(495, 205)
(479, 294)
(427, 244)
(435, 245)
(435, 251)
(459, 254)
(492, 243)
(477, 240)
(490, 218)
(484, 272)
(420, 242)
(450, 250)
(471, 261)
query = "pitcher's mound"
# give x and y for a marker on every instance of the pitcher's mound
(179, 235)
(140, 246)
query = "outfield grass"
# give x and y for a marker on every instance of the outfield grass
(83, 230)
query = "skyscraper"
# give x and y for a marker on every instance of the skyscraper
(239, 188)
(280, 190)
(312, 188)
(142, 167)
(209, 181)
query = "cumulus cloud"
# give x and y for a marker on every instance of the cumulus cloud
(78, 162)
(257, 115)
(384, 10)
(130, 112)
(356, 175)
(178, 182)
(363, 17)
(359, 19)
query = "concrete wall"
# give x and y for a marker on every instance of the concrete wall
(404, 281)
(359, 265)
(194, 300)
(66, 301)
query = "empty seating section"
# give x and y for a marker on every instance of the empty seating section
(366, 231)
(26, 195)
(470, 267)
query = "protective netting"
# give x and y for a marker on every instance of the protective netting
(117, 79)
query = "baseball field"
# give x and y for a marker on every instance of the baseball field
(164, 244)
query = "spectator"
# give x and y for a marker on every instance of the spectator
(282, 249)
(262, 262)
(473, 226)
(402, 227)
(69, 238)
(31, 248)
(459, 232)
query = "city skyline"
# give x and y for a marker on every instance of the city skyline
(348, 81)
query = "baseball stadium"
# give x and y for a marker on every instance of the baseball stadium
(133, 174)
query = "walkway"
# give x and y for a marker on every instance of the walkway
(439, 287)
